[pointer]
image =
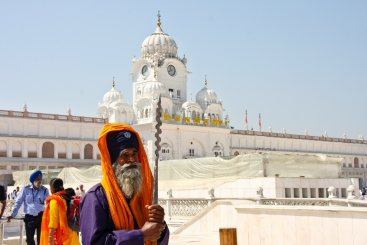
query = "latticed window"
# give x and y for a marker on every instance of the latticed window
(15, 168)
(42, 167)
(32, 167)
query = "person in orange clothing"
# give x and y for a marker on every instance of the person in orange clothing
(55, 229)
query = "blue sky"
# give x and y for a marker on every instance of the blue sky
(302, 65)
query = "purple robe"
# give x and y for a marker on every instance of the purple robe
(97, 227)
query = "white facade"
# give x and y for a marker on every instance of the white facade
(190, 128)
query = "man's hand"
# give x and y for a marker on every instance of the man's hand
(9, 218)
(152, 231)
(156, 213)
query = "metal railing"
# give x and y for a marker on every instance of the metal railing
(4, 224)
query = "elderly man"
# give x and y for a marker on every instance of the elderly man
(119, 210)
(33, 196)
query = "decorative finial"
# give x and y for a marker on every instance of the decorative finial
(113, 82)
(155, 74)
(159, 19)
(69, 111)
(25, 107)
(191, 96)
(206, 82)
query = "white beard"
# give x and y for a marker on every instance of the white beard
(129, 180)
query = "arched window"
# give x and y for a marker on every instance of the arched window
(146, 112)
(193, 114)
(48, 150)
(356, 162)
(32, 150)
(17, 149)
(3, 147)
(61, 150)
(88, 151)
(75, 152)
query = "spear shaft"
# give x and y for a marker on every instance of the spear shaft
(157, 149)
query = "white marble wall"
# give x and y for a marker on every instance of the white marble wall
(272, 187)
(301, 225)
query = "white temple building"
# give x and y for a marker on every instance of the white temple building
(192, 127)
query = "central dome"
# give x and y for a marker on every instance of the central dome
(159, 42)
(206, 95)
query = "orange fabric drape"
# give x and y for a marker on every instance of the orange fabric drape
(122, 217)
(60, 232)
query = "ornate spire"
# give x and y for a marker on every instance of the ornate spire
(69, 111)
(25, 107)
(206, 82)
(159, 19)
(155, 74)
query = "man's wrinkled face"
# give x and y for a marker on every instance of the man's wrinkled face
(38, 182)
(128, 174)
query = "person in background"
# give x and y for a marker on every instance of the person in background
(2, 200)
(82, 191)
(119, 210)
(55, 229)
(14, 194)
(77, 191)
(33, 197)
(18, 191)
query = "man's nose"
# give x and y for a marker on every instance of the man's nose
(131, 158)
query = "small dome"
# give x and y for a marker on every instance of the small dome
(112, 96)
(154, 88)
(190, 103)
(159, 42)
(206, 94)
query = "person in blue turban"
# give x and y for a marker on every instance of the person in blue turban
(33, 197)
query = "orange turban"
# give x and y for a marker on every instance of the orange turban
(123, 214)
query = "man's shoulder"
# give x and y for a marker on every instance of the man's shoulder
(94, 194)
(95, 191)
(95, 188)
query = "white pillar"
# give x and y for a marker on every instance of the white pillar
(39, 150)
(82, 146)
(56, 149)
(25, 148)
(10, 148)
(69, 150)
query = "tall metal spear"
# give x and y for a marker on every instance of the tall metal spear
(157, 150)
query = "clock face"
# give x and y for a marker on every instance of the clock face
(171, 70)
(144, 70)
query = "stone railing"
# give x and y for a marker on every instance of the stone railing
(52, 116)
(183, 207)
(298, 136)
(189, 207)
(313, 202)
